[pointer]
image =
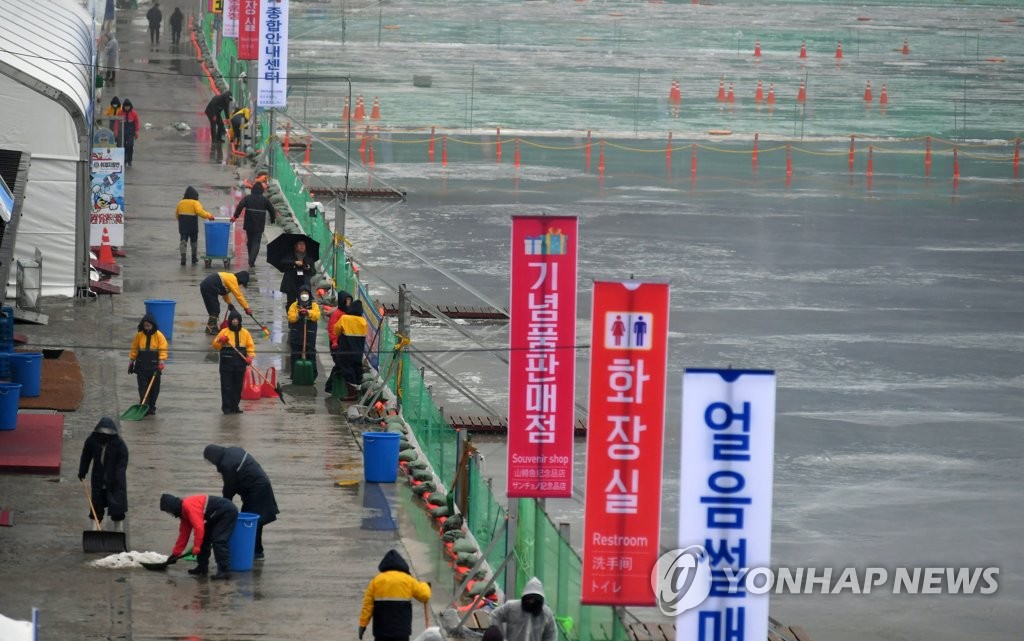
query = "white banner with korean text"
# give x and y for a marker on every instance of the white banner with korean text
(725, 506)
(229, 24)
(272, 87)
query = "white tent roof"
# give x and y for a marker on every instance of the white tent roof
(46, 80)
(47, 45)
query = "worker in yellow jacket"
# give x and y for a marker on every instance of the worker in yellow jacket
(223, 284)
(239, 120)
(388, 600)
(237, 350)
(146, 360)
(351, 330)
(188, 213)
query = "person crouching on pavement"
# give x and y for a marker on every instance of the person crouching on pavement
(146, 360)
(222, 284)
(303, 316)
(107, 453)
(188, 213)
(212, 518)
(244, 476)
(388, 600)
(237, 350)
(526, 618)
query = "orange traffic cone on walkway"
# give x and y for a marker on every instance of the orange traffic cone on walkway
(803, 49)
(721, 91)
(375, 112)
(106, 255)
(839, 51)
(906, 47)
(759, 94)
(801, 94)
(757, 49)
(360, 109)
(884, 98)
(867, 92)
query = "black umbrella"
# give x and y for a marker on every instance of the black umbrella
(281, 250)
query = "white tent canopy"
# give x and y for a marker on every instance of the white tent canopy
(46, 79)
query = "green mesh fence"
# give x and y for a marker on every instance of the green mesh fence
(540, 550)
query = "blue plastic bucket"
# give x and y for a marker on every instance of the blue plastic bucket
(217, 234)
(163, 313)
(242, 546)
(380, 456)
(27, 369)
(10, 394)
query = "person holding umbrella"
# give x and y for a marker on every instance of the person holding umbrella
(256, 207)
(146, 360)
(222, 284)
(237, 350)
(293, 255)
(212, 518)
(244, 476)
(107, 453)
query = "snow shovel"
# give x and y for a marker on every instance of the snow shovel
(159, 566)
(97, 540)
(277, 386)
(302, 370)
(138, 412)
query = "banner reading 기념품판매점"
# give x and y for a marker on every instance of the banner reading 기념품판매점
(725, 496)
(272, 84)
(542, 357)
(625, 436)
(107, 166)
(248, 29)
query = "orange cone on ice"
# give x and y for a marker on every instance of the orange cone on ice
(801, 94)
(360, 109)
(731, 96)
(721, 91)
(884, 98)
(803, 49)
(867, 92)
(839, 51)
(675, 95)
(757, 49)
(375, 112)
(759, 94)
(345, 114)
(771, 93)
(906, 47)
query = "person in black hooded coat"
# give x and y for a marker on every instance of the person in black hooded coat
(219, 104)
(242, 475)
(256, 207)
(297, 270)
(107, 453)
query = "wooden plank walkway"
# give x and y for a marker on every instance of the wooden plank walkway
(493, 424)
(453, 311)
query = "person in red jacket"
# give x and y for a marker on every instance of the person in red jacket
(212, 518)
(344, 300)
(131, 130)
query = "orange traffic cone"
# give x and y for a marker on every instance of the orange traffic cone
(731, 98)
(360, 109)
(375, 112)
(287, 137)
(771, 93)
(757, 49)
(721, 91)
(867, 92)
(309, 148)
(675, 95)
(759, 94)
(106, 254)
(430, 145)
(839, 51)
(884, 98)
(801, 94)
(345, 112)
(803, 49)
(906, 47)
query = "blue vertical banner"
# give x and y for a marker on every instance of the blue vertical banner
(725, 498)
(272, 86)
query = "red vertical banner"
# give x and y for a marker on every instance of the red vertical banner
(542, 357)
(248, 29)
(625, 434)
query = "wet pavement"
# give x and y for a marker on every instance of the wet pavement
(319, 557)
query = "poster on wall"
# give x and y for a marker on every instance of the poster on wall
(542, 357)
(272, 85)
(229, 25)
(107, 196)
(625, 437)
(248, 29)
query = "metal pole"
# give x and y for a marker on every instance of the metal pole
(344, 4)
(539, 516)
(404, 311)
(562, 590)
(472, 89)
(270, 143)
(380, 20)
(250, 79)
(510, 548)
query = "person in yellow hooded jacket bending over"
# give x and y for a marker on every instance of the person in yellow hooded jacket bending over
(239, 120)
(222, 284)
(237, 350)
(188, 213)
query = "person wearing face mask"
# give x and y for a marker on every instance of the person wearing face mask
(303, 316)
(131, 130)
(237, 350)
(146, 360)
(526, 618)
(108, 455)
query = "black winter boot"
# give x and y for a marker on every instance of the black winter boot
(183, 259)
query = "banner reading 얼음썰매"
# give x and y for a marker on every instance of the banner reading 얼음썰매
(725, 496)
(542, 357)
(248, 29)
(625, 435)
(107, 215)
(229, 24)
(272, 81)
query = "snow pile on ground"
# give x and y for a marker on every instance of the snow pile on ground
(11, 630)
(128, 560)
